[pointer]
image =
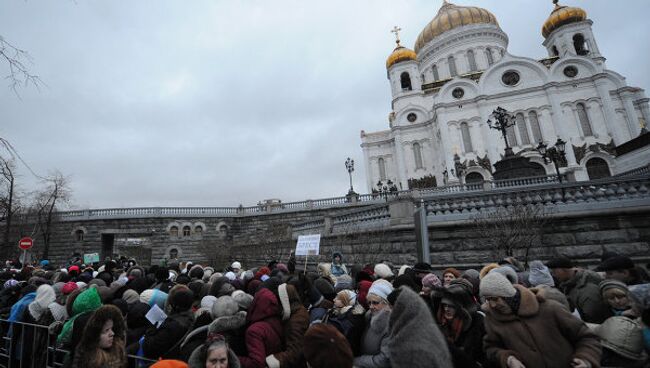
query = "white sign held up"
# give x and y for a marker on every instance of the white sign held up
(308, 245)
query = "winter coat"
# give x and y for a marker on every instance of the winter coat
(199, 355)
(136, 322)
(231, 327)
(374, 344)
(583, 293)
(415, 340)
(264, 332)
(295, 324)
(164, 341)
(350, 324)
(541, 334)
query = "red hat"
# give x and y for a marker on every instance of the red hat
(69, 287)
(169, 363)
(73, 268)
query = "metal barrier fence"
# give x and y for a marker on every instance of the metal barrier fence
(27, 345)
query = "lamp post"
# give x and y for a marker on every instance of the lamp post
(384, 189)
(554, 154)
(349, 165)
(501, 120)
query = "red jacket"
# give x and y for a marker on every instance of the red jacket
(264, 332)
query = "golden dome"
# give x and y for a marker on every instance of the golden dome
(560, 16)
(400, 54)
(452, 16)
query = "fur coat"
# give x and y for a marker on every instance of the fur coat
(374, 344)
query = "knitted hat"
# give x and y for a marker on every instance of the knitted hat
(224, 306)
(383, 271)
(130, 296)
(169, 363)
(622, 335)
(495, 284)
(343, 282)
(640, 295)
(381, 288)
(181, 298)
(560, 262)
(540, 275)
(508, 272)
(243, 300)
(616, 263)
(154, 296)
(231, 275)
(612, 284)
(208, 301)
(325, 346)
(68, 287)
(236, 265)
(431, 281)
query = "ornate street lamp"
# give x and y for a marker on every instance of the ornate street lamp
(501, 120)
(349, 165)
(384, 189)
(555, 154)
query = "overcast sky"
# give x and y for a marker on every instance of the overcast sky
(217, 103)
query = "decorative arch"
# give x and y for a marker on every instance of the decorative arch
(597, 168)
(419, 110)
(470, 88)
(585, 67)
(222, 229)
(474, 178)
(169, 249)
(79, 233)
(199, 228)
(491, 80)
(405, 81)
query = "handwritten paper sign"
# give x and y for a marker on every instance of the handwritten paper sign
(91, 258)
(308, 245)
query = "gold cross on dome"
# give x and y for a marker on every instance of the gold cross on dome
(396, 30)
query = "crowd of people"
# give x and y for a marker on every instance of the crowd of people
(181, 314)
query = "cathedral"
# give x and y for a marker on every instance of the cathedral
(459, 71)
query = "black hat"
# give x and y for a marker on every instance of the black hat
(560, 262)
(616, 263)
(422, 267)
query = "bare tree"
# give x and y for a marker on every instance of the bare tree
(55, 193)
(16, 60)
(7, 196)
(508, 229)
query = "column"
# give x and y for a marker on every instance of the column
(367, 166)
(400, 163)
(632, 117)
(556, 112)
(475, 134)
(446, 144)
(609, 113)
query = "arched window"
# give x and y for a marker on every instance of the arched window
(580, 45)
(452, 66)
(436, 76)
(187, 231)
(555, 52)
(585, 125)
(474, 178)
(382, 169)
(472, 61)
(79, 235)
(417, 155)
(405, 79)
(534, 124)
(490, 58)
(198, 230)
(523, 130)
(467, 140)
(597, 168)
(512, 137)
(173, 231)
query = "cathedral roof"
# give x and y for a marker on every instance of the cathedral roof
(400, 54)
(560, 16)
(451, 16)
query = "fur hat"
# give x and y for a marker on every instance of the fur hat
(381, 288)
(243, 300)
(325, 288)
(431, 281)
(180, 298)
(485, 270)
(616, 263)
(196, 272)
(224, 306)
(325, 346)
(540, 275)
(508, 272)
(343, 282)
(383, 271)
(496, 284)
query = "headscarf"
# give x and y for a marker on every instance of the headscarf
(45, 295)
(88, 301)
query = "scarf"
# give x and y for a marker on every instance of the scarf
(514, 302)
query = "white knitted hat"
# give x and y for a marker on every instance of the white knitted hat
(495, 284)
(381, 288)
(383, 271)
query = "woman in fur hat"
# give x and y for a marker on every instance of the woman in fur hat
(102, 344)
(461, 324)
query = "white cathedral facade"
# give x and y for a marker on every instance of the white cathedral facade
(444, 91)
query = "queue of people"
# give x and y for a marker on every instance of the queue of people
(506, 314)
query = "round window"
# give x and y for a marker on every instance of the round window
(510, 78)
(411, 117)
(458, 93)
(571, 71)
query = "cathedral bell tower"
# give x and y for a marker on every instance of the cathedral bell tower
(567, 32)
(403, 70)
